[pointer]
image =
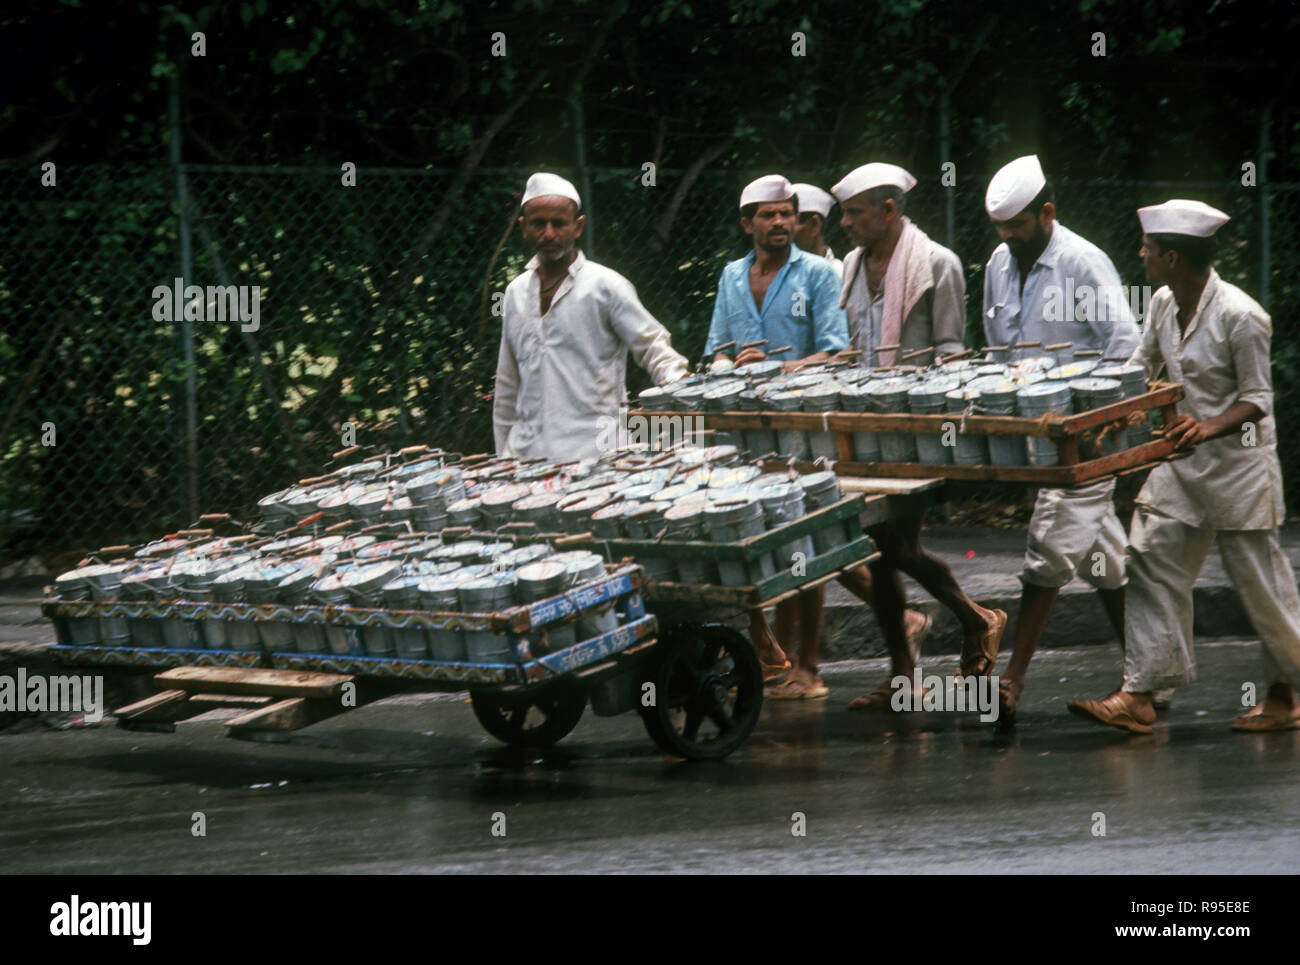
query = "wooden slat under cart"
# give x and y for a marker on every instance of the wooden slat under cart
(532, 700)
(1073, 435)
(707, 681)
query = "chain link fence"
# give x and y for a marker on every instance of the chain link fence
(374, 309)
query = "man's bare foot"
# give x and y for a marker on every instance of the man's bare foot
(800, 684)
(1009, 690)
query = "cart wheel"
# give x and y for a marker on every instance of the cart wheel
(709, 691)
(536, 719)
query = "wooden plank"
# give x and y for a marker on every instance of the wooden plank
(293, 713)
(259, 682)
(155, 704)
(213, 701)
(860, 550)
(1052, 425)
(892, 487)
(1166, 394)
(597, 668)
(818, 570)
(1056, 476)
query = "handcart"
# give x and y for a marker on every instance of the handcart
(704, 674)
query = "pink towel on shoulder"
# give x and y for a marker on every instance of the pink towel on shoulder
(907, 279)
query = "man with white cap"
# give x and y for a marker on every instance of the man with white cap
(567, 328)
(1211, 337)
(1040, 264)
(901, 288)
(787, 297)
(777, 293)
(814, 208)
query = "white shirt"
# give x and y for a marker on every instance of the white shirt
(938, 319)
(835, 263)
(1071, 294)
(561, 376)
(1222, 358)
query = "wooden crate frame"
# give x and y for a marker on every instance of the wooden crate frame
(1065, 430)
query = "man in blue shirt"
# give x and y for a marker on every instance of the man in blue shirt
(790, 298)
(777, 292)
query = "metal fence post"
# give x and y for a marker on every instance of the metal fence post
(187, 331)
(945, 152)
(584, 173)
(1265, 266)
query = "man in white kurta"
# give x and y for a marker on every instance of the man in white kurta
(567, 329)
(1212, 338)
(1029, 278)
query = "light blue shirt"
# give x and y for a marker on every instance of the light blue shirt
(1072, 294)
(801, 309)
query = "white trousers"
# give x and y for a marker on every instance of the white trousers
(1165, 557)
(1075, 532)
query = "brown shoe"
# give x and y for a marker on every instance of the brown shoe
(1120, 710)
(1264, 717)
(979, 654)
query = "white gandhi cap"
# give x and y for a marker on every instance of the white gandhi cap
(874, 175)
(767, 189)
(1180, 217)
(542, 184)
(813, 198)
(1013, 187)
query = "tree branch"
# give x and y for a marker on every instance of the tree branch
(692, 174)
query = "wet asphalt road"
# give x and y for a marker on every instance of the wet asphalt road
(413, 784)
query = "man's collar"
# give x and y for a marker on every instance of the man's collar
(579, 259)
(795, 254)
(1053, 249)
(1048, 256)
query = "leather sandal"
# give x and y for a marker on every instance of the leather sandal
(1259, 720)
(1117, 710)
(773, 671)
(980, 664)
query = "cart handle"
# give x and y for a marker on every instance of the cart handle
(345, 452)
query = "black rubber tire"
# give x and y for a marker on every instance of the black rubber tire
(708, 690)
(506, 716)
